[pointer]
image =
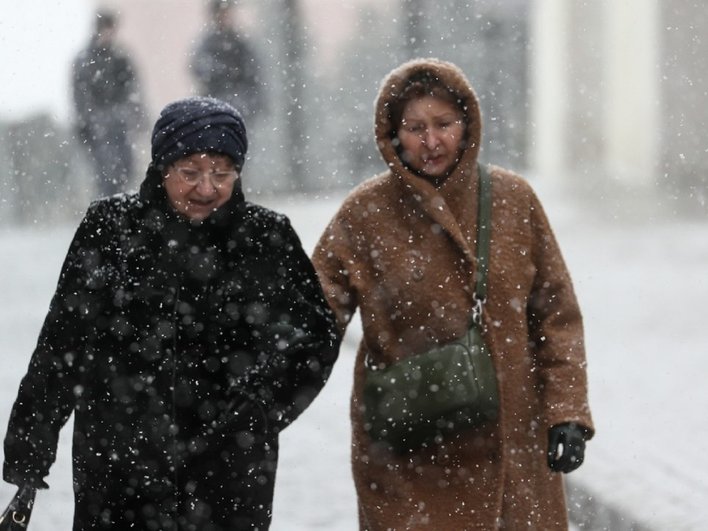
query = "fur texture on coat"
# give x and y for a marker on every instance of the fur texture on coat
(403, 252)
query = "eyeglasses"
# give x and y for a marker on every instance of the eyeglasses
(218, 178)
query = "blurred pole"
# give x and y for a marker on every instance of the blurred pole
(295, 127)
(414, 32)
(550, 106)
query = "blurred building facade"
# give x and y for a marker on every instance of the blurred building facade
(605, 97)
(618, 99)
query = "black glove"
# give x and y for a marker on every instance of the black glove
(35, 484)
(20, 480)
(566, 447)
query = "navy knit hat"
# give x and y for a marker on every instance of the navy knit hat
(196, 125)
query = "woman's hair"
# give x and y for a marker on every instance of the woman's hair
(418, 86)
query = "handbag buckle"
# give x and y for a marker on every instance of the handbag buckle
(477, 309)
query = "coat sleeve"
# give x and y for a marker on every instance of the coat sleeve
(333, 262)
(294, 330)
(48, 390)
(556, 329)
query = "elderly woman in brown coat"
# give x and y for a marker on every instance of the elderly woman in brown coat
(402, 249)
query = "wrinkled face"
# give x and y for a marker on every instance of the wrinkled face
(431, 136)
(200, 183)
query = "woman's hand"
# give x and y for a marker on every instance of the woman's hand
(566, 447)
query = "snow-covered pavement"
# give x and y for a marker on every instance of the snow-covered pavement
(643, 289)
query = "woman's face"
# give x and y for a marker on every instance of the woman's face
(431, 136)
(198, 184)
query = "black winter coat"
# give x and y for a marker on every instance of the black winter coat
(182, 350)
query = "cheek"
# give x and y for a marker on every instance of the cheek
(457, 136)
(409, 143)
(174, 192)
(225, 194)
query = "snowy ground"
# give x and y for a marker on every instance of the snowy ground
(643, 288)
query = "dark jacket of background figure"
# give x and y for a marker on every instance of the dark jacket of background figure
(226, 67)
(108, 109)
(183, 350)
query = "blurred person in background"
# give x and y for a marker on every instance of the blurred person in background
(224, 64)
(108, 106)
(187, 330)
(401, 249)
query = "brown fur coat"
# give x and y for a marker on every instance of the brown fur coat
(402, 251)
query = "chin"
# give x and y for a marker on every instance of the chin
(435, 175)
(195, 216)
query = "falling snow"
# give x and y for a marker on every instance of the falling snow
(642, 288)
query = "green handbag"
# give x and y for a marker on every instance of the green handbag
(446, 389)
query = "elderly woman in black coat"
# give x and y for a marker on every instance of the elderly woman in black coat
(187, 329)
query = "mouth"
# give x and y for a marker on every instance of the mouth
(433, 159)
(203, 203)
(201, 206)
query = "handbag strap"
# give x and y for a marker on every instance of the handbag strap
(484, 221)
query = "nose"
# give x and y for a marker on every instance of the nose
(430, 138)
(205, 187)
